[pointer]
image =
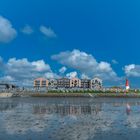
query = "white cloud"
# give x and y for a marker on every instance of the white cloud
(7, 32)
(71, 74)
(40, 65)
(132, 70)
(62, 70)
(47, 31)
(104, 67)
(23, 71)
(51, 75)
(114, 61)
(27, 30)
(87, 64)
(84, 76)
(7, 78)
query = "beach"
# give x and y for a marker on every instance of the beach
(69, 118)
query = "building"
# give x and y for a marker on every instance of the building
(69, 109)
(96, 84)
(66, 83)
(127, 87)
(63, 83)
(75, 83)
(52, 83)
(4, 86)
(85, 83)
(41, 83)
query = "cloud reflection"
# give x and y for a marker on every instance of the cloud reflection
(70, 119)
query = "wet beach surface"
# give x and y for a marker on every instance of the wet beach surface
(69, 119)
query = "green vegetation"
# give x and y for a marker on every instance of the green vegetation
(82, 91)
(87, 93)
(93, 91)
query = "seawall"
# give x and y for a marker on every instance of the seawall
(5, 95)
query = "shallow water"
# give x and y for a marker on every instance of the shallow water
(69, 119)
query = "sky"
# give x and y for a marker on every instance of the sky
(83, 38)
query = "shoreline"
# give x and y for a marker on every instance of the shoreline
(88, 95)
(74, 94)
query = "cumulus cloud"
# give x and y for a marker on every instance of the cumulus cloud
(84, 76)
(114, 61)
(40, 65)
(62, 70)
(27, 30)
(72, 74)
(87, 64)
(51, 75)
(23, 71)
(132, 70)
(7, 32)
(7, 78)
(47, 31)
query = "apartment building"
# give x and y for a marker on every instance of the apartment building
(41, 83)
(75, 83)
(63, 83)
(85, 83)
(96, 83)
(52, 83)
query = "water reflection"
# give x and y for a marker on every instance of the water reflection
(68, 118)
(128, 109)
(64, 110)
(7, 106)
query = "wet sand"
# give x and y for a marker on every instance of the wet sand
(69, 119)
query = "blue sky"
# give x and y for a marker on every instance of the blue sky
(53, 34)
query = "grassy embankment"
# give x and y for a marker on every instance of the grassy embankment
(86, 93)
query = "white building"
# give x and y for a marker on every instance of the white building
(52, 83)
(96, 83)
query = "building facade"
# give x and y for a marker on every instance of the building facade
(41, 83)
(96, 83)
(66, 83)
(63, 83)
(85, 83)
(75, 83)
(52, 84)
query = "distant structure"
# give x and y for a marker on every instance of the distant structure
(63, 83)
(4, 86)
(96, 83)
(41, 83)
(52, 84)
(85, 83)
(75, 83)
(127, 85)
(68, 83)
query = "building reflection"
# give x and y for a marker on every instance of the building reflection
(124, 104)
(7, 106)
(65, 110)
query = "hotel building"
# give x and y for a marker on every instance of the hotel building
(66, 83)
(41, 83)
(63, 83)
(96, 83)
(85, 83)
(75, 83)
(52, 83)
